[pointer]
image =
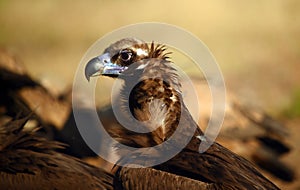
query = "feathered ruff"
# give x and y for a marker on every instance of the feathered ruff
(158, 51)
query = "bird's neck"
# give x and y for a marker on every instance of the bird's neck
(155, 98)
(153, 101)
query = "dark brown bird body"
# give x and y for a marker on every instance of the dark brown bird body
(157, 99)
(28, 161)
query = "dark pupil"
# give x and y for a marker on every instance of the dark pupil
(125, 56)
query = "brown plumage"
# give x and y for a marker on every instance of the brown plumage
(149, 179)
(28, 161)
(133, 60)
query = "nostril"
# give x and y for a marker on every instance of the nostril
(104, 58)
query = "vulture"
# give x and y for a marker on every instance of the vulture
(30, 161)
(156, 101)
(22, 94)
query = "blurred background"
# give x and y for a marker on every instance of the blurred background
(256, 44)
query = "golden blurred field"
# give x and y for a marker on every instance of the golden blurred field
(256, 43)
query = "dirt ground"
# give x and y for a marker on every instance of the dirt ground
(256, 44)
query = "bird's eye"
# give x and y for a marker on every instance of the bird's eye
(125, 55)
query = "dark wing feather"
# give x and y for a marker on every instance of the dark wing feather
(216, 165)
(28, 161)
(156, 179)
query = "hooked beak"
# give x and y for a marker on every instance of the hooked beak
(102, 65)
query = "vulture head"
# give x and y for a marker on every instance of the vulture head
(120, 55)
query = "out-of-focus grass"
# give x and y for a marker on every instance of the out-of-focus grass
(256, 43)
(293, 110)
